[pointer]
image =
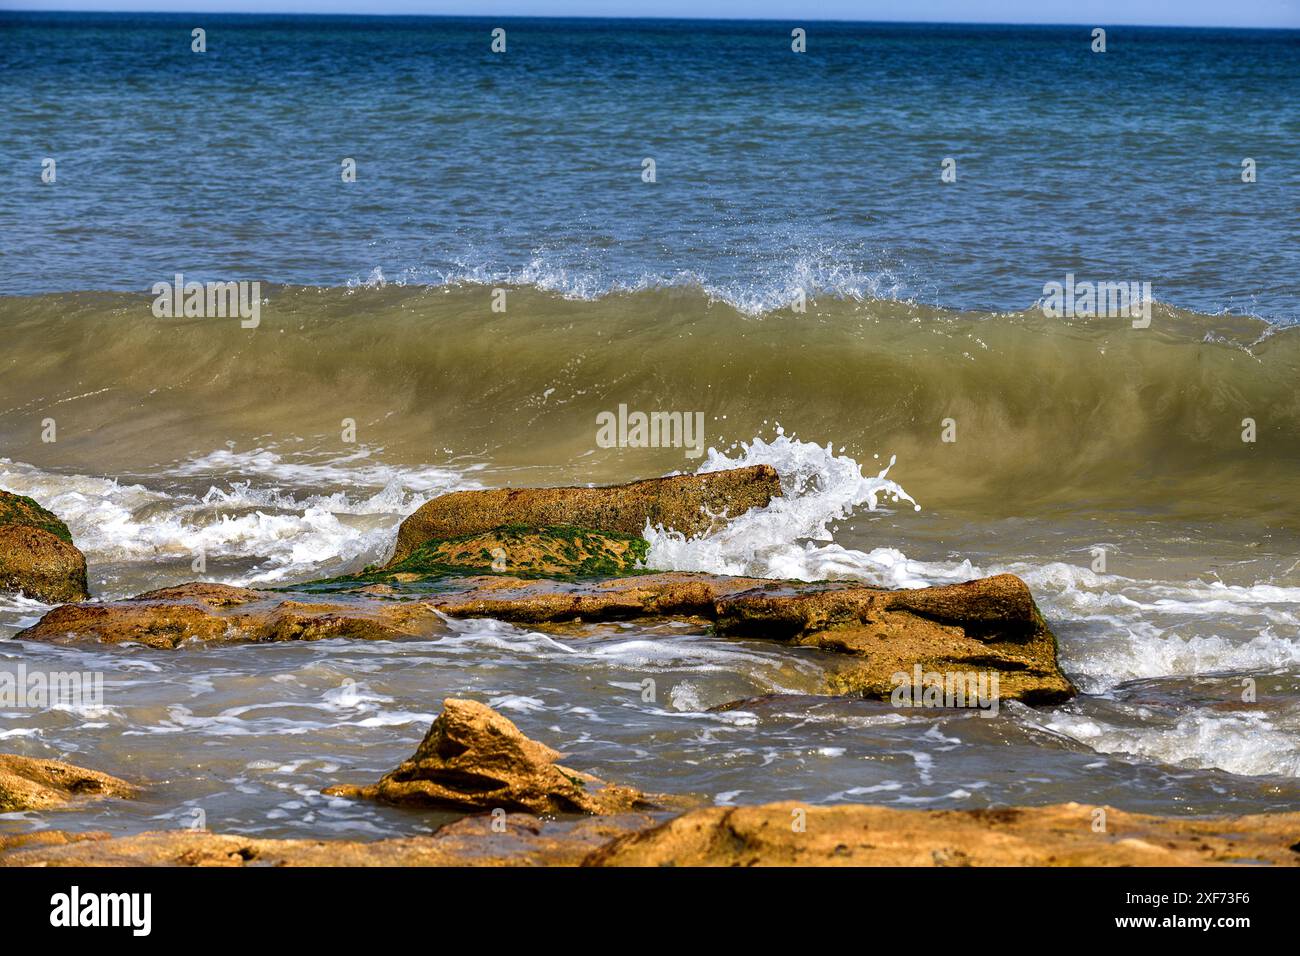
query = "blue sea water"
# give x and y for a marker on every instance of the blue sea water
(774, 170)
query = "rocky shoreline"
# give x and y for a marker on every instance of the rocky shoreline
(563, 560)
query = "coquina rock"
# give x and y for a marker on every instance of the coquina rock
(979, 629)
(27, 783)
(521, 552)
(475, 759)
(856, 835)
(691, 504)
(37, 556)
(840, 835)
(219, 613)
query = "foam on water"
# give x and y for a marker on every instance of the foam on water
(282, 532)
(781, 540)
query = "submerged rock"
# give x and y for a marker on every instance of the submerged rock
(691, 504)
(475, 759)
(27, 783)
(37, 556)
(790, 834)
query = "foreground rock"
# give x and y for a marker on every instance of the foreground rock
(27, 783)
(691, 504)
(220, 613)
(516, 840)
(844, 835)
(475, 759)
(852, 835)
(986, 627)
(37, 556)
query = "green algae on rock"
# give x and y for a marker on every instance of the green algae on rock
(37, 556)
(691, 504)
(520, 552)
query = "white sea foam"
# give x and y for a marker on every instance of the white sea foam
(791, 537)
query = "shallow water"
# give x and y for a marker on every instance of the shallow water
(250, 734)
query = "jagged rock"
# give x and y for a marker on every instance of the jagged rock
(691, 504)
(475, 759)
(855, 835)
(515, 840)
(220, 613)
(27, 783)
(989, 625)
(37, 556)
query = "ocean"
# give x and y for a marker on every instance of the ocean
(839, 258)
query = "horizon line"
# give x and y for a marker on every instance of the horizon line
(664, 19)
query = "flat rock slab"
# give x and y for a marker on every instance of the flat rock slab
(515, 840)
(844, 835)
(855, 835)
(28, 783)
(990, 626)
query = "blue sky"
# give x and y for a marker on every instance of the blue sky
(1241, 13)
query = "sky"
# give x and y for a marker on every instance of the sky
(1228, 13)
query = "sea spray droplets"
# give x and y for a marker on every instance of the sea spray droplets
(818, 487)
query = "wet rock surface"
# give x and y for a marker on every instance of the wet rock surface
(691, 504)
(473, 758)
(37, 555)
(988, 626)
(789, 834)
(28, 783)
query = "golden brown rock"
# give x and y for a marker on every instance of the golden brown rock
(216, 612)
(989, 626)
(691, 504)
(515, 840)
(473, 758)
(37, 556)
(28, 783)
(854, 835)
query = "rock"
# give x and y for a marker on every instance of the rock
(37, 556)
(27, 783)
(220, 613)
(516, 840)
(840, 835)
(985, 627)
(475, 759)
(855, 835)
(989, 626)
(526, 552)
(691, 504)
